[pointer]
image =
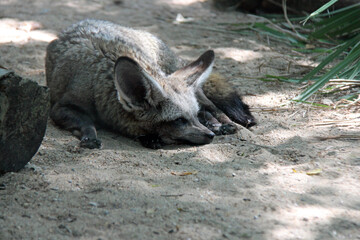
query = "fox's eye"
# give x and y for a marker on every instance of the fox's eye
(180, 121)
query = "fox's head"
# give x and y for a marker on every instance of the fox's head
(165, 104)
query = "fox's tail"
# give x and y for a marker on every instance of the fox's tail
(223, 94)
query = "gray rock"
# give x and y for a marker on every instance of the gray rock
(24, 110)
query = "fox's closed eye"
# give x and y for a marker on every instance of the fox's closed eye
(180, 121)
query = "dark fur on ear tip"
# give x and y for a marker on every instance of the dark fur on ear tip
(236, 109)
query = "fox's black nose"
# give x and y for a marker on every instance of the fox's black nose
(211, 135)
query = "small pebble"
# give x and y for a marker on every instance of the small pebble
(94, 204)
(257, 216)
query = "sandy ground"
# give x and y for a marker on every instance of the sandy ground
(251, 185)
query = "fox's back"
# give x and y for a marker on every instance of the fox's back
(112, 41)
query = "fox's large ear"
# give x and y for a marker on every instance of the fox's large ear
(198, 71)
(136, 88)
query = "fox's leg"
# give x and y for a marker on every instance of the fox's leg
(73, 119)
(224, 96)
(213, 118)
(208, 120)
(233, 106)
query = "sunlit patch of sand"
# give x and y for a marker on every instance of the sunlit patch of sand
(15, 31)
(239, 55)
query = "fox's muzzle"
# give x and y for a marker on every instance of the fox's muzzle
(204, 136)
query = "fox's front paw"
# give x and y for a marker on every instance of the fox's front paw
(215, 128)
(90, 143)
(228, 128)
(151, 141)
(222, 129)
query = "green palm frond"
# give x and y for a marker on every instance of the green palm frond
(343, 27)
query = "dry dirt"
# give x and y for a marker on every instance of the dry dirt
(251, 185)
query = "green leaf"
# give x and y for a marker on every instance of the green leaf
(350, 96)
(272, 32)
(314, 104)
(269, 78)
(315, 50)
(339, 25)
(331, 14)
(332, 56)
(356, 70)
(320, 10)
(353, 55)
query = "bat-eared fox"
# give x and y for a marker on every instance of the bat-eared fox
(101, 74)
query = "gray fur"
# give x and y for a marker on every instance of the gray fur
(90, 68)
